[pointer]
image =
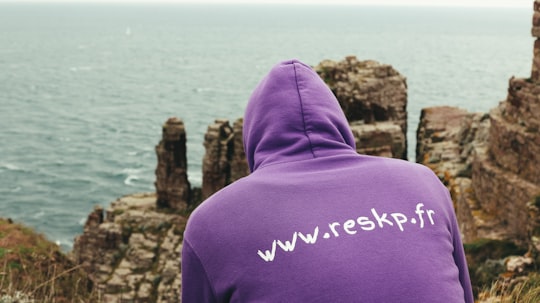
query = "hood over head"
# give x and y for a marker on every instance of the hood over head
(292, 115)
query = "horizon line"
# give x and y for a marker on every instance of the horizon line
(421, 3)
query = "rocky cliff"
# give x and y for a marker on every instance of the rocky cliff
(131, 250)
(373, 97)
(490, 162)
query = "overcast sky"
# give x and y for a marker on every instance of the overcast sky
(485, 3)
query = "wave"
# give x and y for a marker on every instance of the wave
(65, 244)
(82, 221)
(129, 180)
(202, 89)
(10, 167)
(80, 68)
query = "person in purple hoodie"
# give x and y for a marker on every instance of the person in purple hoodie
(317, 222)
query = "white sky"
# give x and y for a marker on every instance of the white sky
(482, 3)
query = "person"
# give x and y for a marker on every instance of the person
(317, 222)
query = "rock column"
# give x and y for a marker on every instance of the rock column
(218, 142)
(172, 185)
(239, 165)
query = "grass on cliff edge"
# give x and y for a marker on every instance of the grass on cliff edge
(34, 266)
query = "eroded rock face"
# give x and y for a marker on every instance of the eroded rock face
(448, 139)
(172, 185)
(494, 177)
(219, 144)
(224, 160)
(370, 93)
(132, 251)
(239, 165)
(384, 139)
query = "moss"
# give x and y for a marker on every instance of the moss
(485, 260)
(484, 249)
(537, 201)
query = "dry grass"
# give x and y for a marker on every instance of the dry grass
(525, 289)
(31, 267)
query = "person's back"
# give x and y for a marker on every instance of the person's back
(315, 221)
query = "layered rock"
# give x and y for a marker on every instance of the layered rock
(172, 185)
(132, 251)
(496, 179)
(224, 160)
(384, 139)
(373, 96)
(219, 144)
(239, 165)
(448, 139)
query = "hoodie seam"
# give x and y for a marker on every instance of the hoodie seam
(302, 112)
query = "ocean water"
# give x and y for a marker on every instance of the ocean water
(85, 88)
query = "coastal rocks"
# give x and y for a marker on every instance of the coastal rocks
(370, 93)
(224, 160)
(494, 176)
(448, 138)
(132, 251)
(172, 185)
(218, 143)
(384, 139)
(239, 165)
(506, 176)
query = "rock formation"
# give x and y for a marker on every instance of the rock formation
(448, 139)
(172, 185)
(490, 162)
(218, 142)
(224, 160)
(373, 97)
(239, 165)
(131, 251)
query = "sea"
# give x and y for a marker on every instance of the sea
(86, 88)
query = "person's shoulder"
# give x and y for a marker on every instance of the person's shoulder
(400, 167)
(406, 165)
(216, 206)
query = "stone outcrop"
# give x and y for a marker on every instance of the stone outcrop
(224, 160)
(493, 177)
(448, 138)
(373, 96)
(384, 139)
(219, 144)
(172, 185)
(131, 251)
(239, 165)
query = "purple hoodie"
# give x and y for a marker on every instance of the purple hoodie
(315, 221)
